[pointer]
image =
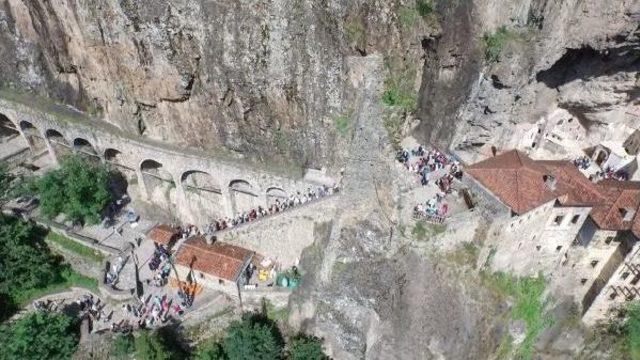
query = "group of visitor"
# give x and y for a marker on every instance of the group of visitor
(424, 162)
(582, 162)
(609, 173)
(279, 205)
(160, 265)
(114, 271)
(93, 307)
(434, 207)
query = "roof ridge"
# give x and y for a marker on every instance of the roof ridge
(518, 204)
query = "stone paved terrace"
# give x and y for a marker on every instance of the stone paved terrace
(232, 184)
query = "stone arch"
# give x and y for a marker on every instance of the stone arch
(33, 136)
(203, 195)
(58, 143)
(243, 196)
(54, 135)
(113, 155)
(7, 128)
(275, 193)
(155, 178)
(85, 147)
(27, 126)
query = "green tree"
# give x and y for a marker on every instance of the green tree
(631, 330)
(149, 347)
(304, 347)
(25, 260)
(210, 350)
(122, 346)
(79, 188)
(39, 336)
(253, 338)
(5, 180)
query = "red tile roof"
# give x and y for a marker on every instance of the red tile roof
(221, 260)
(163, 234)
(519, 182)
(620, 196)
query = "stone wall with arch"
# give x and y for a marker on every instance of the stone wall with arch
(127, 152)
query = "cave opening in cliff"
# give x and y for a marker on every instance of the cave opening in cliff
(7, 128)
(587, 63)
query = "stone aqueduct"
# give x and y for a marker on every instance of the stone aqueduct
(230, 186)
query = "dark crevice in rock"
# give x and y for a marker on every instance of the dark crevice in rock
(587, 62)
(495, 81)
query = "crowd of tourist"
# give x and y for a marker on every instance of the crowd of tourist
(277, 206)
(582, 162)
(424, 162)
(435, 207)
(160, 265)
(113, 273)
(609, 173)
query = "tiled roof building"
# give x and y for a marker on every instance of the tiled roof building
(223, 261)
(163, 234)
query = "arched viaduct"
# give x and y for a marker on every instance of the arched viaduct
(228, 186)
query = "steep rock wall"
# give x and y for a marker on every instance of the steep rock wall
(262, 78)
(581, 56)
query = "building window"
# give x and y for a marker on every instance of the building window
(594, 263)
(538, 247)
(583, 281)
(623, 213)
(608, 240)
(575, 218)
(220, 281)
(624, 275)
(558, 220)
(559, 247)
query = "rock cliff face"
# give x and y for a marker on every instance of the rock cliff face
(581, 56)
(262, 78)
(271, 79)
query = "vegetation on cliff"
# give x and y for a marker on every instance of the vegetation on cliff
(39, 335)
(28, 269)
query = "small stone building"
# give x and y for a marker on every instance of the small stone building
(549, 218)
(539, 205)
(217, 266)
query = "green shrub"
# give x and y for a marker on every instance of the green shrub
(399, 89)
(149, 346)
(494, 43)
(79, 189)
(424, 7)
(342, 124)
(253, 338)
(304, 347)
(419, 231)
(356, 32)
(528, 305)
(75, 247)
(210, 350)
(122, 347)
